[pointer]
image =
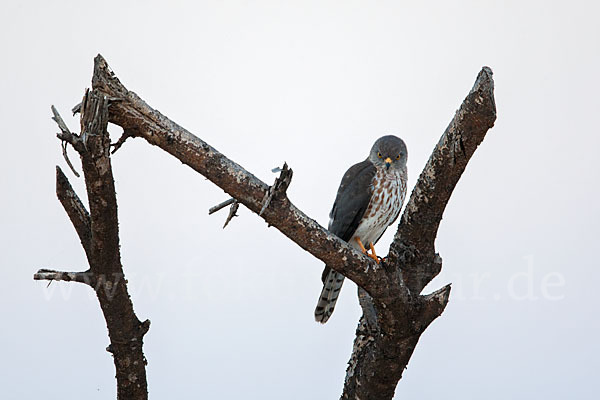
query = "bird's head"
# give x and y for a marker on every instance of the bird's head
(389, 152)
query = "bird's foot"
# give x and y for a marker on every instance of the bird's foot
(361, 245)
(372, 255)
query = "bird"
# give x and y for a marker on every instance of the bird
(368, 200)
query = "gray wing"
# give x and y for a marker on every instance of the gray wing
(352, 200)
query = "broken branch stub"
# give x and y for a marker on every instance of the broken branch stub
(278, 188)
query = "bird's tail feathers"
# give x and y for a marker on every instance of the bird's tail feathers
(332, 284)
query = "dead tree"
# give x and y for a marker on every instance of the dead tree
(98, 231)
(395, 313)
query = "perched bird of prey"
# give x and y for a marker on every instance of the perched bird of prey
(368, 200)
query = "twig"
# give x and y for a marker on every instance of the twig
(232, 212)
(127, 133)
(67, 136)
(86, 277)
(235, 205)
(219, 206)
(60, 122)
(66, 157)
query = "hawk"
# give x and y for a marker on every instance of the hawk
(368, 200)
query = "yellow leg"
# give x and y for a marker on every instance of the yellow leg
(373, 251)
(365, 251)
(360, 244)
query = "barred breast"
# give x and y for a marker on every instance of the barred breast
(389, 191)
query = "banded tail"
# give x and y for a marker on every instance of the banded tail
(332, 284)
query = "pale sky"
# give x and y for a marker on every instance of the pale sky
(313, 83)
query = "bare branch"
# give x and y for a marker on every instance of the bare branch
(133, 113)
(413, 245)
(434, 305)
(86, 277)
(235, 205)
(220, 206)
(66, 157)
(79, 216)
(232, 213)
(67, 136)
(60, 122)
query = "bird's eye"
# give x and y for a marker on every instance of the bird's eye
(379, 154)
(398, 157)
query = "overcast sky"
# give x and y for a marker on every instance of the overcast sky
(313, 83)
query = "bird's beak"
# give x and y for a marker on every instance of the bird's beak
(388, 162)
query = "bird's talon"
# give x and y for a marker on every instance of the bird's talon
(360, 244)
(374, 257)
(372, 254)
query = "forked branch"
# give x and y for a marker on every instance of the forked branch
(395, 314)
